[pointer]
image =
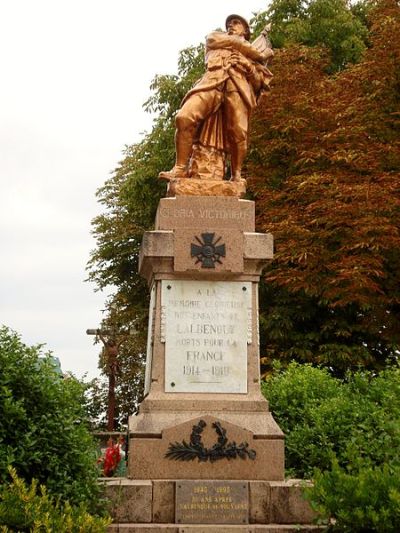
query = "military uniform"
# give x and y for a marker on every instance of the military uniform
(215, 112)
(225, 88)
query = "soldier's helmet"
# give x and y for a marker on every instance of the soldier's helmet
(244, 22)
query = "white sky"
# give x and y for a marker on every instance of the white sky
(73, 77)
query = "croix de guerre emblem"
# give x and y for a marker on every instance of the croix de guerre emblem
(207, 251)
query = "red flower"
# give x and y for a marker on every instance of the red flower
(111, 459)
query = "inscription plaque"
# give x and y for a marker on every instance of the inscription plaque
(212, 502)
(206, 331)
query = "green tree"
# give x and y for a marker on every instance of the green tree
(324, 170)
(324, 417)
(43, 427)
(338, 25)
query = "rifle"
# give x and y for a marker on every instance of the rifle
(263, 43)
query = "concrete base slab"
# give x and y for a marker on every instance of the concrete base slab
(171, 528)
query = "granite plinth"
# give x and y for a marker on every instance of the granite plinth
(203, 262)
(167, 255)
(130, 500)
(161, 503)
(205, 212)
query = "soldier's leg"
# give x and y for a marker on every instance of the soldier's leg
(237, 125)
(196, 108)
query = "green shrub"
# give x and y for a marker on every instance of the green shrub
(31, 508)
(345, 434)
(324, 417)
(43, 429)
(301, 398)
(363, 499)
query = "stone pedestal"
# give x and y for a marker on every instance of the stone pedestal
(203, 401)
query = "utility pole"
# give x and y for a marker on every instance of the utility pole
(112, 340)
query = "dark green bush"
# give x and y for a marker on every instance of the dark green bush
(43, 429)
(345, 434)
(359, 497)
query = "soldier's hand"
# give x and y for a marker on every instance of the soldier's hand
(239, 59)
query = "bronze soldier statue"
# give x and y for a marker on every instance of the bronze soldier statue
(215, 112)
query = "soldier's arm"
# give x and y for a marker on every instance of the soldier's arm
(260, 78)
(218, 39)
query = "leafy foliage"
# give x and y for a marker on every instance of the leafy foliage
(324, 170)
(338, 25)
(346, 435)
(31, 508)
(363, 500)
(323, 416)
(43, 428)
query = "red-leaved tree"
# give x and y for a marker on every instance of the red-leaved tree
(324, 170)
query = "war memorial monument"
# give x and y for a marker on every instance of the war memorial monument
(205, 454)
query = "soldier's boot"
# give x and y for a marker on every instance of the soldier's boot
(178, 171)
(183, 146)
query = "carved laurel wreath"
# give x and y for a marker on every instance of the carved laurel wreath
(183, 451)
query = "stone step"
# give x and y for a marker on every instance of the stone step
(198, 528)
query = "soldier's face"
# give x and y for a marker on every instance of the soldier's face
(236, 27)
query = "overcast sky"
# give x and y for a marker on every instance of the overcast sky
(74, 76)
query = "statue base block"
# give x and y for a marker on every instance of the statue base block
(141, 506)
(199, 187)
